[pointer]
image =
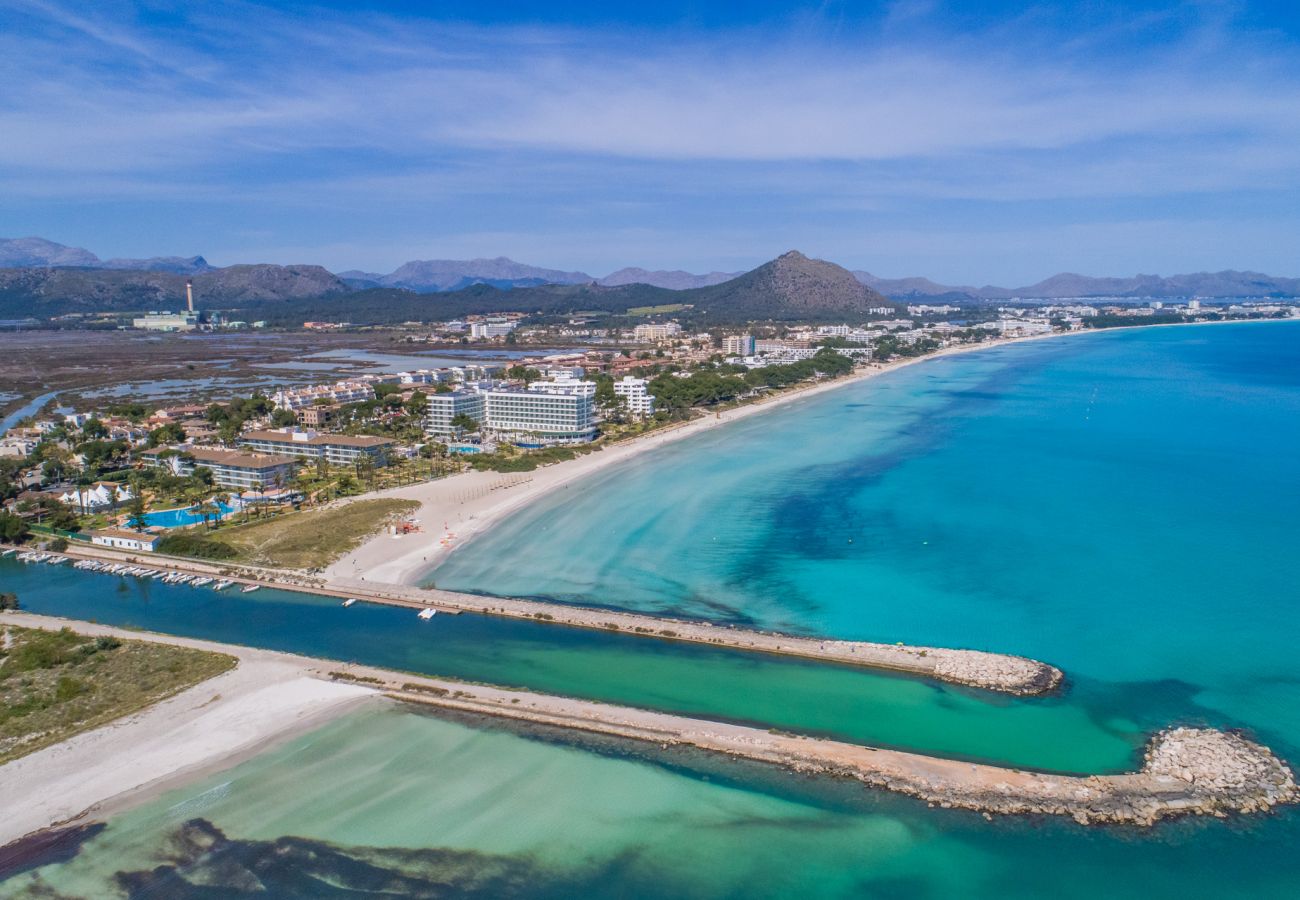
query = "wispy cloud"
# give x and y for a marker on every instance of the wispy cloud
(241, 103)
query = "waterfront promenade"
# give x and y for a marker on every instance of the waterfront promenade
(1186, 771)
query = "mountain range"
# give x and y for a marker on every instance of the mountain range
(1068, 285)
(35, 252)
(59, 279)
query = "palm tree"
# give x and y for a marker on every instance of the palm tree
(83, 482)
(136, 510)
(222, 501)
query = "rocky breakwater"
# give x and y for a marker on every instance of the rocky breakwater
(972, 668)
(1219, 771)
(1187, 771)
(995, 671)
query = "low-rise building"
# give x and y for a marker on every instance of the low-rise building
(166, 321)
(121, 539)
(318, 415)
(339, 392)
(100, 495)
(230, 468)
(18, 444)
(656, 331)
(335, 449)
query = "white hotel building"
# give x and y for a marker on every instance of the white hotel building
(443, 408)
(636, 394)
(562, 411)
(656, 331)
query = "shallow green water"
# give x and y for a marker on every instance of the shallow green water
(393, 802)
(1053, 733)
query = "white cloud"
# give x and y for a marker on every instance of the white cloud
(269, 110)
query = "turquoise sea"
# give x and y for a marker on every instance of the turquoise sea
(1121, 504)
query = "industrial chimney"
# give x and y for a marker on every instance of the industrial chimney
(189, 294)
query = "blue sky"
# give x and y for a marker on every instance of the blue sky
(972, 142)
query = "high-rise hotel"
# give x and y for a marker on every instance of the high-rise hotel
(560, 411)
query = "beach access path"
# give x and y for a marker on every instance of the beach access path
(1186, 770)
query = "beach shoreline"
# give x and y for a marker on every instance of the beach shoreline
(461, 508)
(464, 507)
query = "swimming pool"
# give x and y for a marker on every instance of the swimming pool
(177, 518)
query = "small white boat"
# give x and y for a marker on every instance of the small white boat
(200, 582)
(249, 588)
(427, 614)
(349, 601)
(8, 551)
(222, 585)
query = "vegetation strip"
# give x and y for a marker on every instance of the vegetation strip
(56, 684)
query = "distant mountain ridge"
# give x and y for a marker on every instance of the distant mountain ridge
(35, 252)
(675, 280)
(431, 275)
(47, 278)
(441, 275)
(1229, 283)
(62, 290)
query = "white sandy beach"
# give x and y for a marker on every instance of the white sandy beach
(209, 727)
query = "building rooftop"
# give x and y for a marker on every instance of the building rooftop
(316, 440)
(121, 533)
(221, 457)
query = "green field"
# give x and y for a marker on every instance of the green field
(657, 310)
(310, 539)
(54, 684)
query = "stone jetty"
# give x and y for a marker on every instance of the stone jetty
(1186, 771)
(971, 668)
